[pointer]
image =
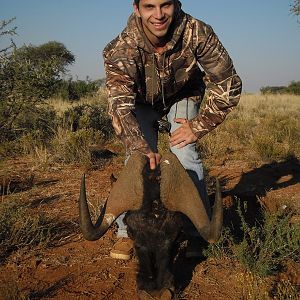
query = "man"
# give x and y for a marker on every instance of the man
(159, 67)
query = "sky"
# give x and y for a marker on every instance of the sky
(261, 36)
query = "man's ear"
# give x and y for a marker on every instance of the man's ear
(136, 10)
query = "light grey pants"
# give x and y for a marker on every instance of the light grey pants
(188, 156)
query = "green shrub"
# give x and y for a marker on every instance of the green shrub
(77, 89)
(33, 128)
(265, 247)
(28, 76)
(292, 88)
(220, 249)
(24, 85)
(262, 248)
(89, 116)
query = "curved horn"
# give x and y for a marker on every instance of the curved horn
(178, 193)
(126, 194)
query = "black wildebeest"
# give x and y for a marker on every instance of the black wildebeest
(154, 201)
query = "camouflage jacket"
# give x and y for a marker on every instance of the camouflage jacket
(135, 72)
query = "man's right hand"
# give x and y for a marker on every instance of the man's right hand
(154, 159)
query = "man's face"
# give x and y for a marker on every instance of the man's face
(156, 16)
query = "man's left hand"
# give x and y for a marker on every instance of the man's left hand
(183, 135)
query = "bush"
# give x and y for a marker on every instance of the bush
(292, 88)
(70, 147)
(89, 116)
(24, 85)
(28, 76)
(77, 89)
(33, 128)
(272, 90)
(41, 122)
(264, 248)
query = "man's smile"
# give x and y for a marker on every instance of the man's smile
(160, 25)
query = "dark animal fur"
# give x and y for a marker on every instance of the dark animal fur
(154, 230)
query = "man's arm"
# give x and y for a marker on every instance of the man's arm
(121, 104)
(224, 86)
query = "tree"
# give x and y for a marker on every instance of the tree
(292, 88)
(28, 76)
(23, 86)
(295, 7)
(76, 89)
(4, 32)
(46, 52)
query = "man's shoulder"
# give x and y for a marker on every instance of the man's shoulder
(111, 45)
(197, 26)
(121, 46)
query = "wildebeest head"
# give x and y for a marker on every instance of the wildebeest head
(177, 192)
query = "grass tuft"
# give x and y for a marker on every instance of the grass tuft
(265, 247)
(20, 228)
(262, 128)
(9, 290)
(262, 248)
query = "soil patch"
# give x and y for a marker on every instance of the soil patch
(77, 269)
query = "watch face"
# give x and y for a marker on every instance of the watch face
(163, 126)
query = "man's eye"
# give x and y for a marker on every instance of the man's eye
(167, 4)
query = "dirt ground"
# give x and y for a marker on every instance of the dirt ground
(77, 269)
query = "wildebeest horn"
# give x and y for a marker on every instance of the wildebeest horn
(126, 194)
(178, 193)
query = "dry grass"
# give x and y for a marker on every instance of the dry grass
(253, 287)
(80, 125)
(20, 229)
(262, 128)
(10, 290)
(62, 106)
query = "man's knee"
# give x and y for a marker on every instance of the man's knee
(187, 154)
(190, 160)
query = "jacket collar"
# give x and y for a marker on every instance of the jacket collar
(134, 34)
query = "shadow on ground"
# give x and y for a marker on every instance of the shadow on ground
(245, 195)
(254, 186)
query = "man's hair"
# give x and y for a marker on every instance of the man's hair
(137, 2)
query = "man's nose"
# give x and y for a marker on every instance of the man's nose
(159, 13)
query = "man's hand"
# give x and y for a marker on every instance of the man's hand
(154, 159)
(183, 135)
